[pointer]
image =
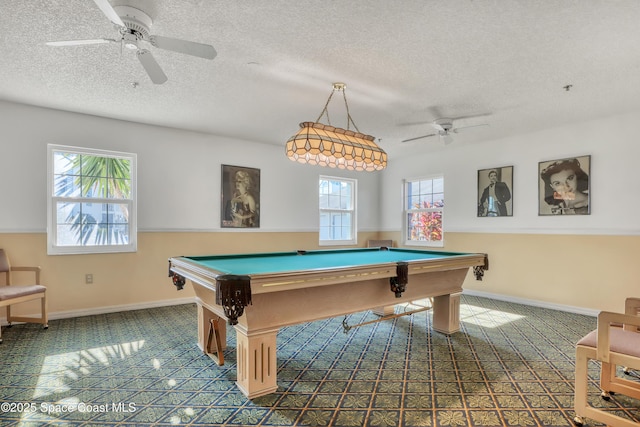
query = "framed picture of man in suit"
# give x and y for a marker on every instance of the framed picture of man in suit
(495, 191)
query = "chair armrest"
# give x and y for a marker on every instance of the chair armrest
(632, 307)
(605, 321)
(36, 270)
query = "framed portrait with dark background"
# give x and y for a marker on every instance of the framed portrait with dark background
(564, 186)
(240, 197)
(495, 191)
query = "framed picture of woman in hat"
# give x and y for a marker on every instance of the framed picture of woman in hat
(564, 186)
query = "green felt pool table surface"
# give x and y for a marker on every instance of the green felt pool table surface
(277, 262)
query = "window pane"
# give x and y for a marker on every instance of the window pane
(66, 236)
(324, 201)
(325, 233)
(65, 212)
(346, 189)
(324, 186)
(346, 227)
(438, 200)
(119, 168)
(334, 201)
(94, 187)
(424, 226)
(66, 186)
(345, 202)
(94, 166)
(324, 219)
(118, 214)
(119, 189)
(426, 201)
(438, 185)
(414, 202)
(119, 234)
(66, 164)
(336, 219)
(426, 186)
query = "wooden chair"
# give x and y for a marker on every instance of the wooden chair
(15, 294)
(616, 342)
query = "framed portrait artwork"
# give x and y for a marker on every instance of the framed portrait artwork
(240, 197)
(495, 186)
(564, 186)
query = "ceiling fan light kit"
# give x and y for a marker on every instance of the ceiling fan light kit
(134, 27)
(326, 145)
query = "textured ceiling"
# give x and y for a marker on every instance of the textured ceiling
(405, 64)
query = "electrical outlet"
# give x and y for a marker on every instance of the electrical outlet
(88, 278)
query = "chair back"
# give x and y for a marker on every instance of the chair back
(5, 267)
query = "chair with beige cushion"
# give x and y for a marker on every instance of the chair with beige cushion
(11, 294)
(615, 343)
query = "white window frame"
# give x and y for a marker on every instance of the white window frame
(406, 211)
(52, 200)
(353, 210)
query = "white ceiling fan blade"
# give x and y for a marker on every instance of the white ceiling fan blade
(471, 126)
(438, 127)
(182, 46)
(151, 66)
(108, 10)
(79, 42)
(473, 116)
(419, 137)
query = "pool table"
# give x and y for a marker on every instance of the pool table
(260, 293)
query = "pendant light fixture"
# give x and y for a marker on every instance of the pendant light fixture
(325, 145)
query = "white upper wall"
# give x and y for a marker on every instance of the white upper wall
(179, 173)
(614, 146)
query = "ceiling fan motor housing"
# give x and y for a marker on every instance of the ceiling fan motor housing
(138, 22)
(445, 124)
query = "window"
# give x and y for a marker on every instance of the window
(91, 201)
(337, 211)
(423, 211)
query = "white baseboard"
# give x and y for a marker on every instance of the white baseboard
(109, 309)
(534, 303)
(179, 301)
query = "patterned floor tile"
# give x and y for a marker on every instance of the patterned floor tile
(509, 366)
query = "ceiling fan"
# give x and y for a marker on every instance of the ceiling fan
(444, 129)
(133, 26)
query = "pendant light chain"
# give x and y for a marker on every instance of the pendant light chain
(349, 118)
(325, 110)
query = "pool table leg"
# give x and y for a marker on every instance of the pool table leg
(257, 362)
(446, 313)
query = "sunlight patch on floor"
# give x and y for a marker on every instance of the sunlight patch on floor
(486, 317)
(61, 368)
